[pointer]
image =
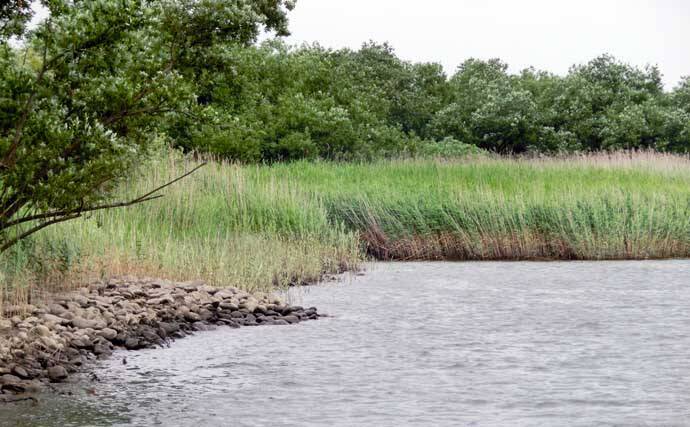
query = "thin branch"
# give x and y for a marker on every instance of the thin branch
(141, 199)
(33, 230)
(78, 211)
(172, 182)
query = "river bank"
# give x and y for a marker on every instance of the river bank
(47, 343)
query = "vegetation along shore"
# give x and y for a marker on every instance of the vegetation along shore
(310, 219)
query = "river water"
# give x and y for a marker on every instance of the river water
(458, 344)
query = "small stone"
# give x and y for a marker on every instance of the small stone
(57, 373)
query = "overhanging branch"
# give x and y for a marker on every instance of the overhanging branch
(66, 215)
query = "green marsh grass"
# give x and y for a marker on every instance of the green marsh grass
(261, 227)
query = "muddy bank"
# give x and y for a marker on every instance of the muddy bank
(57, 339)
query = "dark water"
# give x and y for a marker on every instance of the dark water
(467, 344)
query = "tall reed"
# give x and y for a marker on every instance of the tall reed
(259, 227)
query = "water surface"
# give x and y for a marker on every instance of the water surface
(473, 344)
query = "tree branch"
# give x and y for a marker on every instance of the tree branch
(78, 211)
(141, 199)
(33, 230)
(172, 182)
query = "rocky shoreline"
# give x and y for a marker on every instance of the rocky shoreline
(54, 340)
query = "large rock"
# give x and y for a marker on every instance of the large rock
(250, 304)
(169, 328)
(291, 319)
(53, 319)
(8, 379)
(20, 372)
(81, 323)
(57, 373)
(132, 343)
(107, 333)
(192, 317)
(228, 305)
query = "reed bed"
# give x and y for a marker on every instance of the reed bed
(261, 227)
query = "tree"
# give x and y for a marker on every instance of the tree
(107, 75)
(487, 109)
(594, 95)
(681, 94)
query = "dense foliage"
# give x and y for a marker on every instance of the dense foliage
(83, 95)
(275, 102)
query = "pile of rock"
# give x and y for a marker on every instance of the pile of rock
(56, 339)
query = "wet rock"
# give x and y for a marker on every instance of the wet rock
(8, 379)
(230, 323)
(169, 328)
(132, 344)
(201, 326)
(101, 349)
(20, 372)
(57, 373)
(290, 319)
(150, 335)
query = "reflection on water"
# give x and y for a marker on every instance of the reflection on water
(476, 344)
